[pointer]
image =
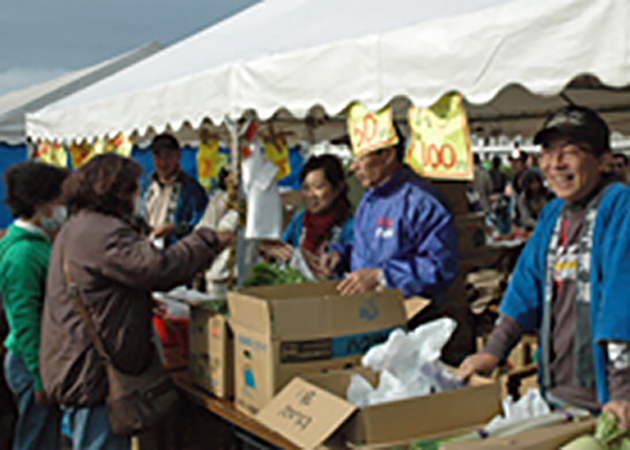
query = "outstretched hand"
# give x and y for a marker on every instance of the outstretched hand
(359, 281)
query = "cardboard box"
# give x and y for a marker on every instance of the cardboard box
(211, 360)
(547, 438)
(281, 332)
(312, 408)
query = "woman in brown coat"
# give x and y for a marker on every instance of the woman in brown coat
(117, 269)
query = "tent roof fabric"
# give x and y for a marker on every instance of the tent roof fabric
(15, 105)
(509, 59)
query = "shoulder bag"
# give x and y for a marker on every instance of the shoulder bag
(135, 402)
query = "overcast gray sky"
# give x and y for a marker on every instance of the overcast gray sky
(42, 39)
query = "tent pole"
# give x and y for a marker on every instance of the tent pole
(236, 201)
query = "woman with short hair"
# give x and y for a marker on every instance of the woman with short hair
(117, 269)
(34, 199)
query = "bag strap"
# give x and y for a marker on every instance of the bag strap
(82, 307)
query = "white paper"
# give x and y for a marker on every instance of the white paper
(264, 206)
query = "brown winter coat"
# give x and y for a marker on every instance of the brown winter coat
(117, 270)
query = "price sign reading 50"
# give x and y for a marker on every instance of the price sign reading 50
(370, 131)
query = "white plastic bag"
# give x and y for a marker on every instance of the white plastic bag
(359, 390)
(408, 364)
(527, 407)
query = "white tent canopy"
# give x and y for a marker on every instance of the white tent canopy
(511, 60)
(14, 105)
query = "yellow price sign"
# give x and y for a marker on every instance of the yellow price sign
(440, 141)
(54, 154)
(370, 131)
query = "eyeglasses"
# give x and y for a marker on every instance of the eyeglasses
(566, 151)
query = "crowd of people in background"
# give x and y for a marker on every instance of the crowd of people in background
(512, 196)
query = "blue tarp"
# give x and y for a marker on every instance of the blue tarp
(296, 161)
(144, 158)
(11, 154)
(189, 164)
(18, 153)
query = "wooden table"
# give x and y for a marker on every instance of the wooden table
(177, 364)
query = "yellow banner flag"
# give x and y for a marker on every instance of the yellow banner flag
(120, 145)
(54, 154)
(208, 162)
(278, 153)
(370, 131)
(81, 153)
(440, 141)
(276, 149)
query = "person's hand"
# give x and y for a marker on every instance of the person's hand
(621, 409)
(278, 250)
(362, 280)
(225, 238)
(329, 262)
(480, 362)
(164, 230)
(41, 398)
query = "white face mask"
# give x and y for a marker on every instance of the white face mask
(138, 207)
(58, 218)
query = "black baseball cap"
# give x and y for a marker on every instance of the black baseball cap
(165, 141)
(580, 124)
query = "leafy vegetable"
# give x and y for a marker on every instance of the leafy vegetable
(608, 436)
(265, 274)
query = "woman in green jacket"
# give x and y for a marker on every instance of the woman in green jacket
(34, 199)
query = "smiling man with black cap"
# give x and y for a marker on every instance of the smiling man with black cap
(572, 282)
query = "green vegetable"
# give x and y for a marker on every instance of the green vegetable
(265, 274)
(585, 443)
(607, 436)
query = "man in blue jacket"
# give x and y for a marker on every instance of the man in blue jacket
(572, 281)
(174, 202)
(404, 234)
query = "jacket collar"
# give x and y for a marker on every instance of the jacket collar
(394, 182)
(27, 226)
(177, 176)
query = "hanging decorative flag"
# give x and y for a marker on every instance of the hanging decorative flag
(54, 154)
(120, 145)
(370, 131)
(440, 141)
(277, 150)
(208, 161)
(81, 153)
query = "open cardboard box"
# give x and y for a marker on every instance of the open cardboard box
(313, 408)
(281, 332)
(547, 438)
